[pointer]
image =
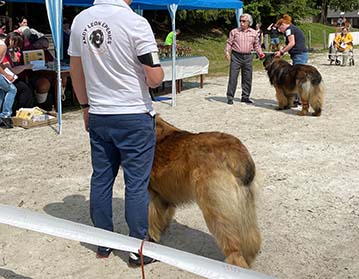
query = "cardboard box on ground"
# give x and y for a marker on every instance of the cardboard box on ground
(33, 117)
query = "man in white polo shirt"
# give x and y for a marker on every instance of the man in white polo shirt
(114, 60)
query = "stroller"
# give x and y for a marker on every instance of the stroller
(336, 56)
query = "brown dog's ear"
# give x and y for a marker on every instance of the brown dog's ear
(268, 60)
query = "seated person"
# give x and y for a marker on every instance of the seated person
(343, 43)
(28, 33)
(24, 96)
(7, 88)
(41, 43)
(43, 80)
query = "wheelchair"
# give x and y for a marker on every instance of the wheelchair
(335, 56)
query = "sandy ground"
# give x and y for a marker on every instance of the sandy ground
(308, 207)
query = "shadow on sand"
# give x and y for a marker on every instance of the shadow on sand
(76, 208)
(9, 274)
(262, 103)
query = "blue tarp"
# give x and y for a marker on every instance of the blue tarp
(158, 5)
(187, 4)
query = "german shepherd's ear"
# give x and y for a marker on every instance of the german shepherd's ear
(268, 60)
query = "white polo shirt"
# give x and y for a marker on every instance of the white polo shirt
(109, 36)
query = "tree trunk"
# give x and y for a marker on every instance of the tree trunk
(324, 13)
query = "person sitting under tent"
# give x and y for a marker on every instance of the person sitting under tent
(43, 80)
(29, 34)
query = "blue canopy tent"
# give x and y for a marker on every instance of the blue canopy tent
(54, 12)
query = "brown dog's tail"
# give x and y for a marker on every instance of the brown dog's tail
(316, 98)
(241, 164)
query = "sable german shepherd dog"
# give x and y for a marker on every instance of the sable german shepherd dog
(216, 171)
(289, 80)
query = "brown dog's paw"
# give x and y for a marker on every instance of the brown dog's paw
(279, 108)
(302, 113)
(316, 113)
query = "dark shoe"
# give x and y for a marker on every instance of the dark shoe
(134, 260)
(230, 102)
(296, 103)
(246, 100)
(6, 122)
(103, 252)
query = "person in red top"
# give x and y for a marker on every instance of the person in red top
(24, 94)
(241, 42)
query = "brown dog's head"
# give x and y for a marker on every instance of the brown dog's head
(268, 60)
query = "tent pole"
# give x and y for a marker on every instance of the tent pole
(54, 13)
(239, 12)
(172, 9)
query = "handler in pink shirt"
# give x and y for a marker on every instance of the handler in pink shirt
(241, 42)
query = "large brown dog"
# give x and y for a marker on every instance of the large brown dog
(216, 171)
(289, 80)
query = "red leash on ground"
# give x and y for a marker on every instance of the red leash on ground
(141, 257)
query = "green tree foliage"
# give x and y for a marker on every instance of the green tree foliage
(262, 10)
(337, 5)
(344, 6)
(203, 17)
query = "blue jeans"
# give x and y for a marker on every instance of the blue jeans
(127, 140)
(7, 97)
(274, 41)
(301, 58)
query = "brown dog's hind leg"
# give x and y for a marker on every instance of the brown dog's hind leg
(291, 101)
(317, 112)
(305, 108)
(236, 258)
(282, 99)
(160, 215)
(229, 211)
(316, 100)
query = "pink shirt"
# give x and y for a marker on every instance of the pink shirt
(243, 41)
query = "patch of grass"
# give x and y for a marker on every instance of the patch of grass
(213, 49)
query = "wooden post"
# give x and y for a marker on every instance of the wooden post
(324, 39)
(266, 41)
(309, 40)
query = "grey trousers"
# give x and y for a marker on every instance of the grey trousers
(239, 62)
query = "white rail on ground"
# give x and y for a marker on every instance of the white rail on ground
(47, 224)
